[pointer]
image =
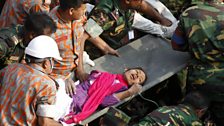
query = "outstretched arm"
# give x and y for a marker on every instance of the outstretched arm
(117, 97)
(80, 72)
(102, 45)
(134, 89)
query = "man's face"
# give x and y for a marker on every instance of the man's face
(79, 12)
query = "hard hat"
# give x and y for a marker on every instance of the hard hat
(42, 47)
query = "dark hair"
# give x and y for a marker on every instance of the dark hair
(38, 22)
(67, 4)
(197, 100)
(31, 59)
(139, 68)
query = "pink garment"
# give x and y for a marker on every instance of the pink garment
(103, 86)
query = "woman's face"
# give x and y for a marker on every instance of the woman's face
(134, 76)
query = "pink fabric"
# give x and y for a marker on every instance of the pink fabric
(102, 87)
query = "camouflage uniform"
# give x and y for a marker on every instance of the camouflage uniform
(200, 32)
(114, 117)
(114, 21)
(197, 1)
(11, 46)
(176, 6)
(181, 115)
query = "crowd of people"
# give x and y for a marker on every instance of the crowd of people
(43, 48)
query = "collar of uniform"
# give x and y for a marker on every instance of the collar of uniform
(37, 67)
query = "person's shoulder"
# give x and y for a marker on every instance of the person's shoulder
(200, 11)
(184, 109)
(9, 31)
(10, 36)
(161, 110)
(189, 9)
(44, 80)
(13, 67)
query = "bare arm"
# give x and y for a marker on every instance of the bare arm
(124, 94)
(80, 72)
(102, 45)
(131, 91)
(44, 121)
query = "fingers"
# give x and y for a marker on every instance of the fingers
(114, 53)
(70, 87)
(117, 54)
(70, 92)
(111, 51)
(135, 88)
(139, 87)
(66, 89)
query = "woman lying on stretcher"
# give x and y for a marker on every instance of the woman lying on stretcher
(100, 89)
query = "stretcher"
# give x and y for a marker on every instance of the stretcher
(154, 54)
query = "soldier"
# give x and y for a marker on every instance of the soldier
(14, 40)
(188, 113)
(200, 32)
(117, 20)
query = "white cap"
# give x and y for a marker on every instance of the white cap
(42, 47)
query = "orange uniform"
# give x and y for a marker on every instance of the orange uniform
(14, 12)
(22, 89)
(68, 37)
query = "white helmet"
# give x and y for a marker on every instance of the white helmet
(42, 47)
